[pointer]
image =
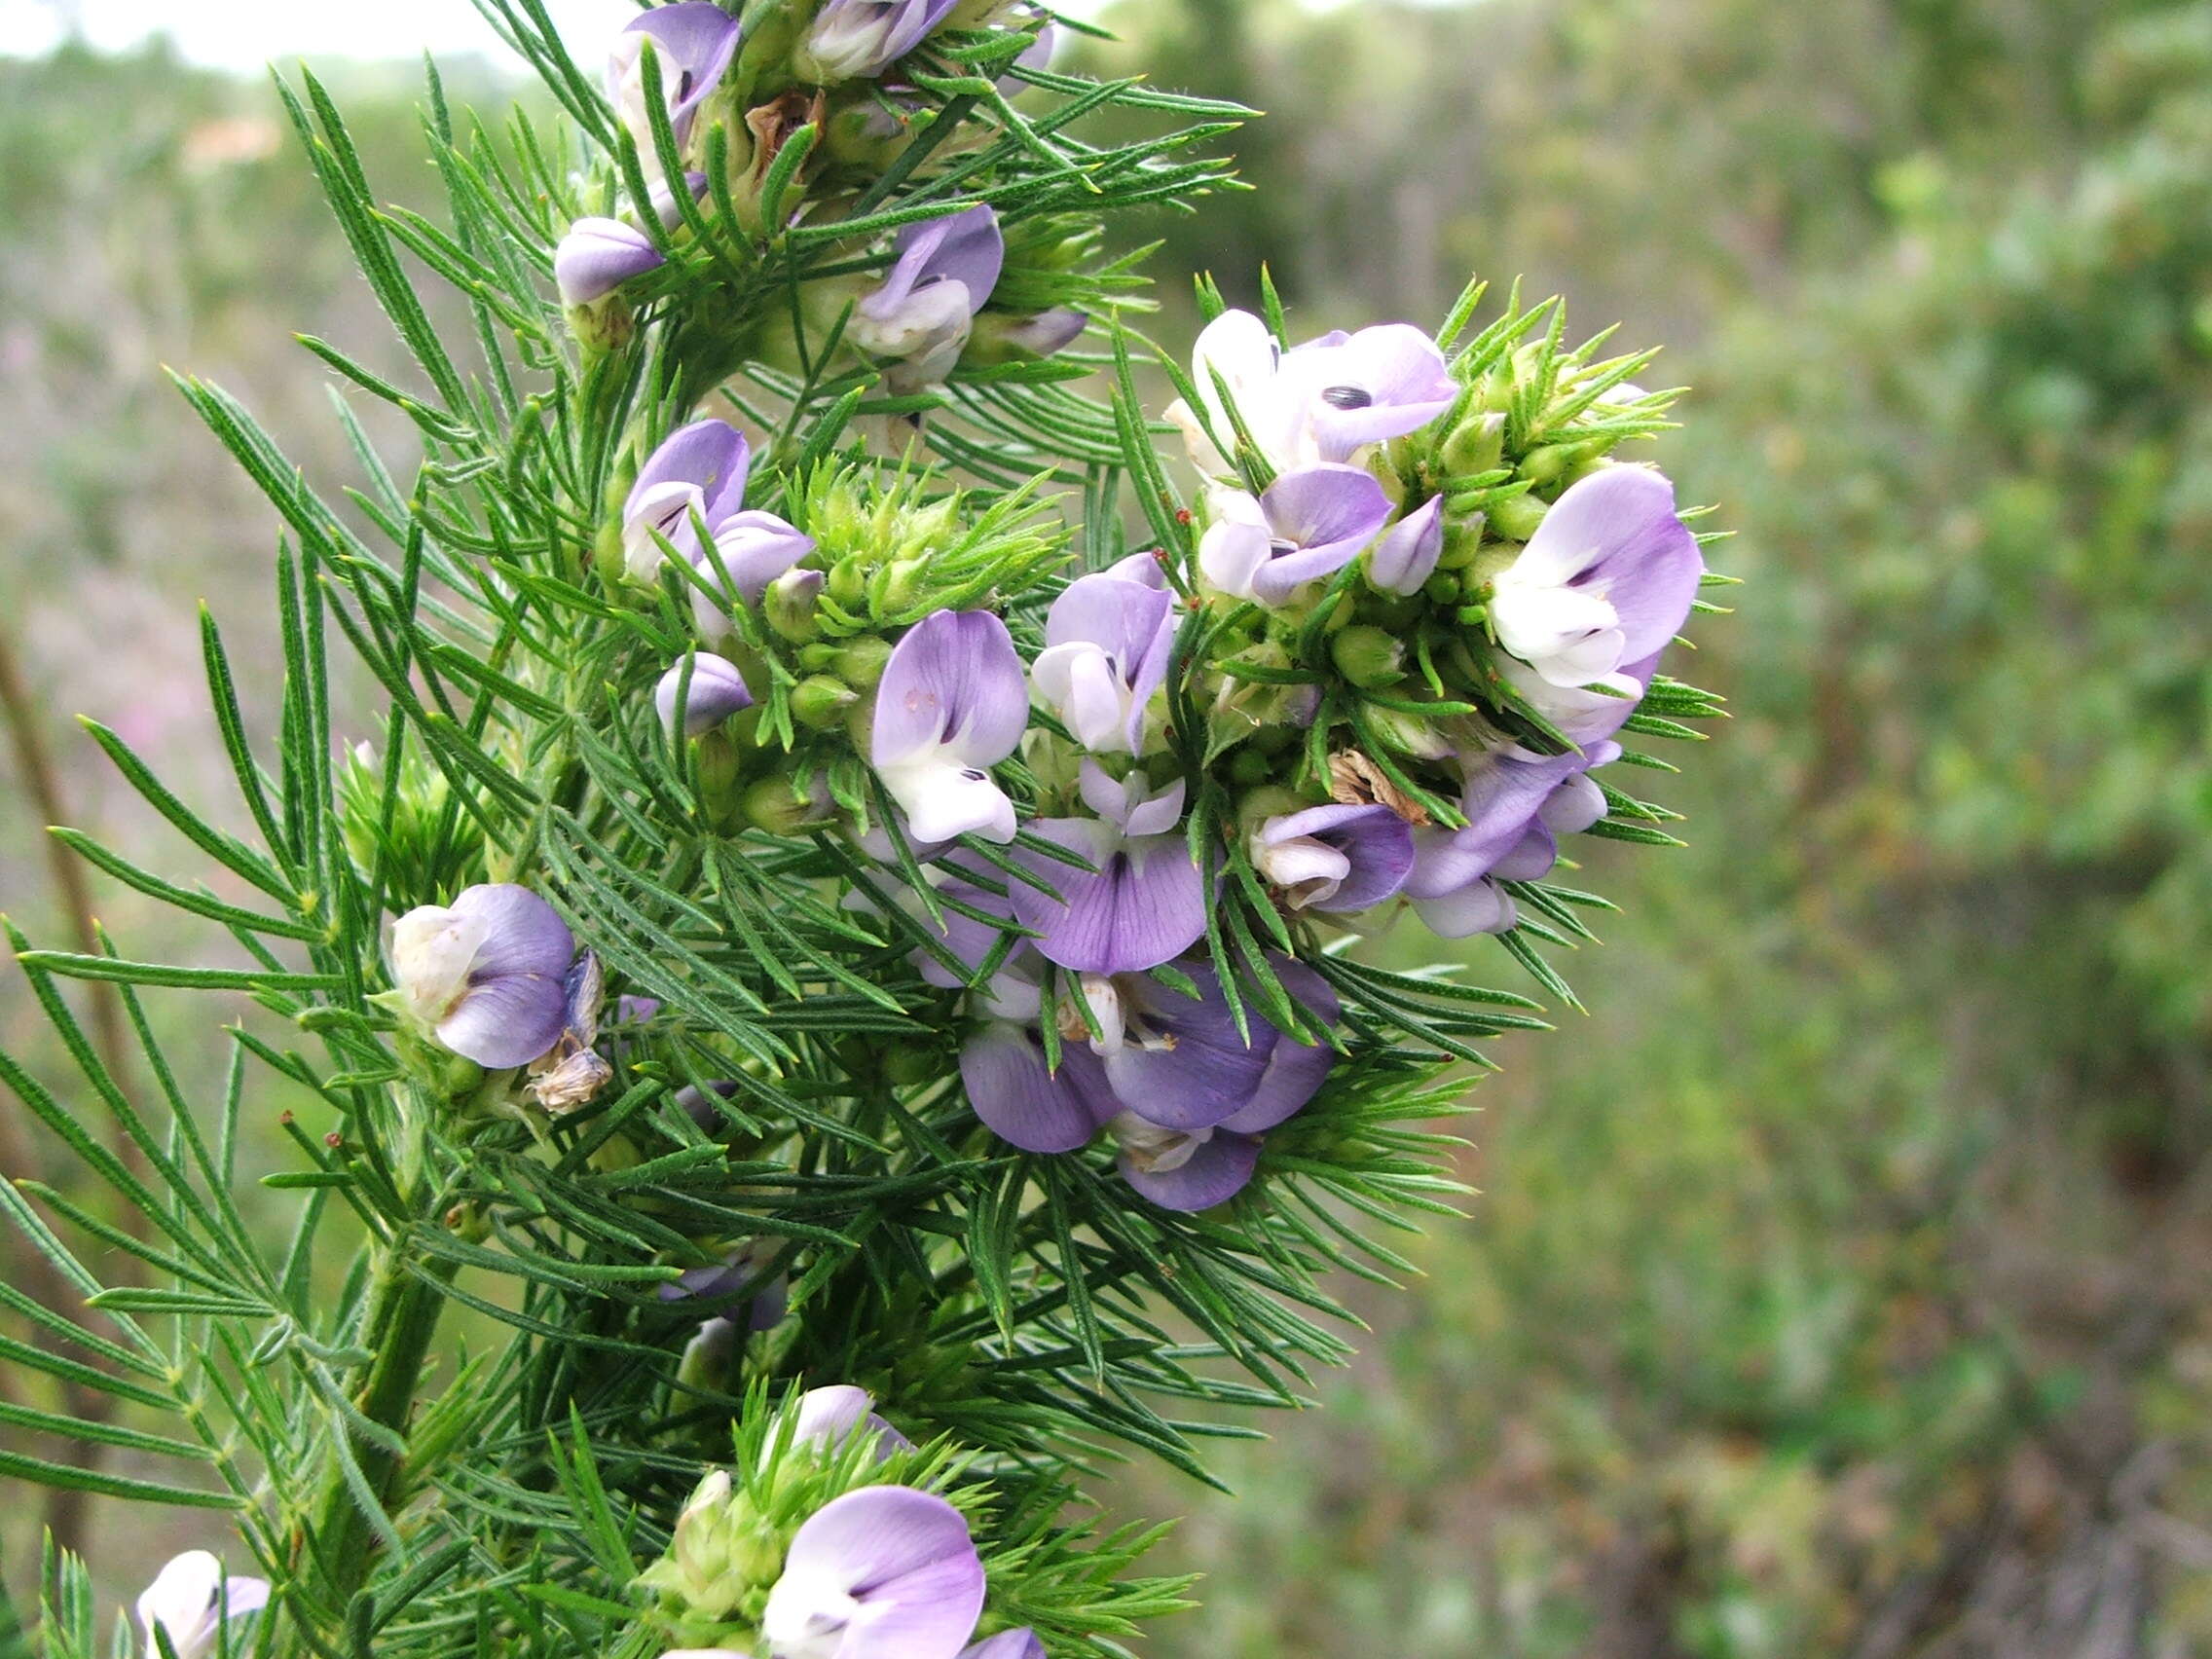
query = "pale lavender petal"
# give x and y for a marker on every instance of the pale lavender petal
(507, 1022)
(1296, 1070)
(1377, 843)
(1505, 793)
(1479, 907)
(968, 939)
(903, 1555)
(1215, 1172)
(1050, 331)
(1184, 1065)
(244, 1596)
(1320, 517)
(1380, 383)
(756, 548)
(1119, 610)
(829, 1417)
(1145, 905)
(695, 40)
(597, 256)
(953, 679)
(1024, 1103)
(1404, 559)
(1620, 526)
(522, 933)
(711, 456)
(964, 247)
(716, 691)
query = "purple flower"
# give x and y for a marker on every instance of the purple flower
(829, 1417)
(1608, 578)
(189, 1601)
(716, 691)
(1406, 558)
(883, 1572)
(597, 256)
(1517, 804)
(922, 314)
(743, 1286)
(1197, 1167)
(952, 704)
(1335, 857)
(1307, 525)
(698, 472)
(1018, 1644)
(692, 43)
(1144, 902)
(1049, 331)
(853, 39)
(487, 973)
(1322, 402)
(1025, 1102)
(1107, 641)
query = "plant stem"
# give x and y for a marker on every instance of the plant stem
(404, 1309)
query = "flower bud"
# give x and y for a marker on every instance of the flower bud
(1516, 517)
(848, 582)
(707, 1355)
(820, 701)
(860, 663)
(789, 606)
(896, 587)
(1552, 463)
(720, 769)
(1368, 657)
(774, 805)
(1476, 445)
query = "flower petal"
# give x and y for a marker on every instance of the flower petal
(1216, 1171)
(1404, 559)
(954, 680)
(1296, 1070)
(1027, 1105)
(597, 256)
(1017, 1644)
(1186, 1065)
(711, 456)
(716, 691)
(1327, 513)
(1380, 382)
(903, 1555)
(1145, 905)
(1479, 907)
(1376, 845)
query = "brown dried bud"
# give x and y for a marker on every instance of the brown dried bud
(1356, 781)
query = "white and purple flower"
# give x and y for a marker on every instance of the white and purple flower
(953, 703)
(1517, 804)
(1305, 526)
(1107, 641)
(693, 42)
(1404, 559)
(597, 256)
(1323, 401)
(191, 1600)
(920, 317)
(1144, 900)
(487, 975)
(1335, 859)
(1607, 580)
(832, 1416)
(696, 476)
(853, 39)
(712, 688)
(883, 1572)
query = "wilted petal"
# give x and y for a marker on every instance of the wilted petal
(715, 691)
(1404, 559)
(597, 256)
(1024, 1103)
(1145, 905)
(884, 1572)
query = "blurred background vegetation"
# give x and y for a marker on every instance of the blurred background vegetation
(1842, 1283)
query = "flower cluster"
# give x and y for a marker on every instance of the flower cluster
(852, 913)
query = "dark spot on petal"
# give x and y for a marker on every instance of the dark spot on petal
(1347, 397)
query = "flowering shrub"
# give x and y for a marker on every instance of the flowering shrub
(829, 940)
